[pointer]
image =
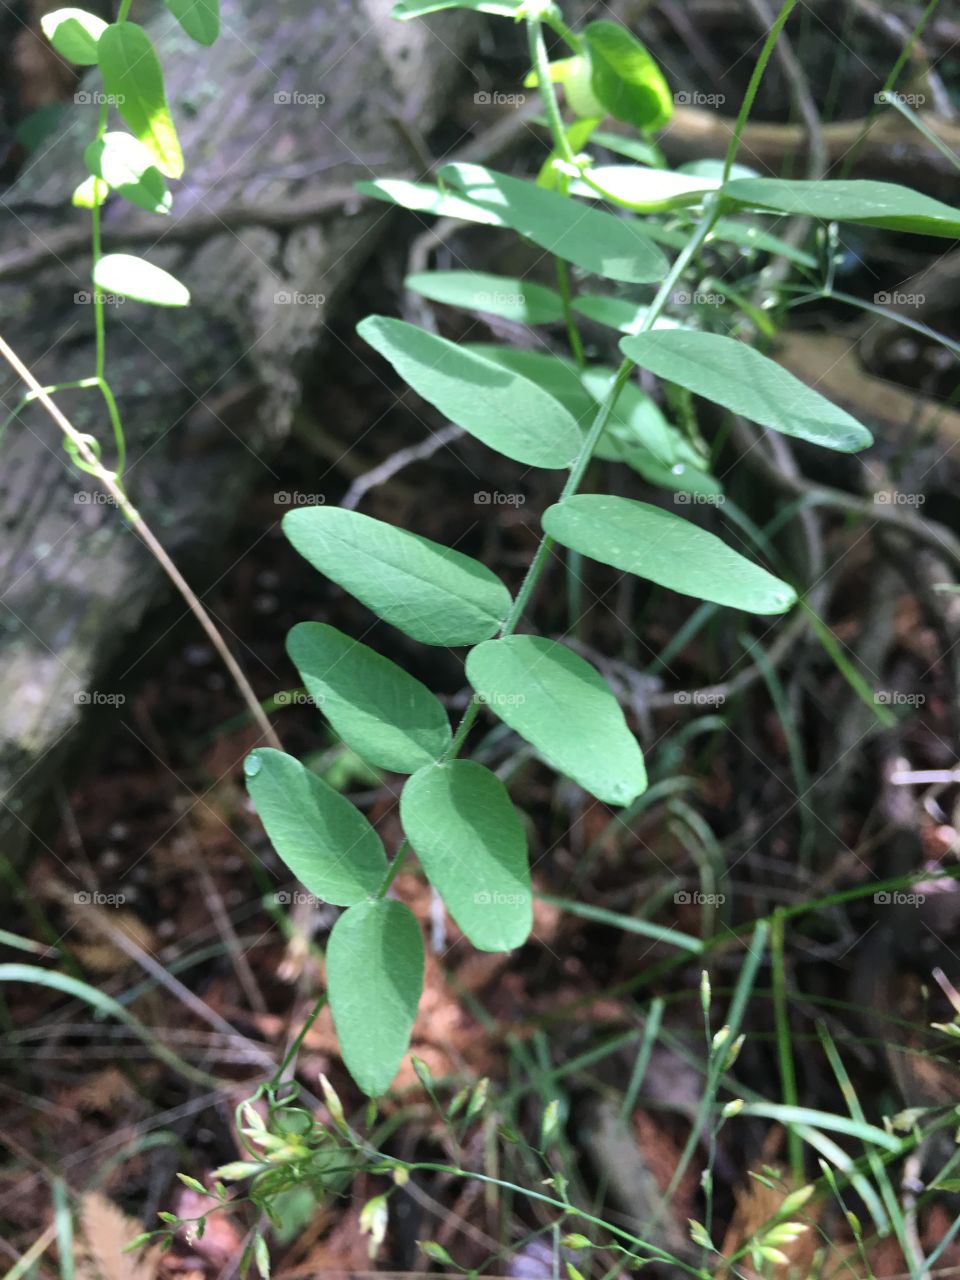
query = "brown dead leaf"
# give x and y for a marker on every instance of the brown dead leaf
(106, 1231)
(756, 1204)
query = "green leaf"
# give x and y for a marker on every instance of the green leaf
(423, 198)
(640, 149)
(90, 194)
(374, 981)
(618, 313)
(406, 9)
(625, 78)
(557, 375)
(383, 713)
(589, 238)
(200, 19)
(642, 189)
(133, 77)
(742, 380)
(519, 300)
(658, 545)
(430, 592)
(464, 829)
(74, 34)
(639, 436)
(327, 843)
(561, 705)
(503, 410)
(134, 278)
(127, 166)
(874, 204)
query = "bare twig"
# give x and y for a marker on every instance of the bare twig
(146, 534)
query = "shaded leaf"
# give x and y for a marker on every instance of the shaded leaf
(325, 841)
(660, 546)
(561, 705)
(430, 592)
(128, 168)
(464, 829)
(503, 410)
(732, 374)
(383, 713)
(874, 204)
(374, 981)
(522, 301)
(200, 19)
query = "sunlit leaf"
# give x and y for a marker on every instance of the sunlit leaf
(133, 77)
(522, 301)
(129, 169)
(134, 278)
(74, 34)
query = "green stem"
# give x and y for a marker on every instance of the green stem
(747, 105)
(541, 64)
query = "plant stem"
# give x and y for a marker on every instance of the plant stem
(82, 449)
(541, 64)
(748, 98)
